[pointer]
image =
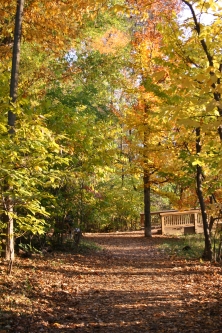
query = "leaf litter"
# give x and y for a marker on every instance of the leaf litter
(128, 286)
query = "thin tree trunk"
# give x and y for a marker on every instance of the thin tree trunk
(208, 253)
(8, 242)
(16, 59)
(217, 97)
(146, 178)
(147, 216)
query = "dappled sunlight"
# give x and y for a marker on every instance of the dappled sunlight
(110, 291)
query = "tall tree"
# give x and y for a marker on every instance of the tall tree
(194, 67)
(215, 65)
(146, 43)
(8, 250)
(52, 40)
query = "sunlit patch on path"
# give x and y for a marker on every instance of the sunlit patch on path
(128, 286)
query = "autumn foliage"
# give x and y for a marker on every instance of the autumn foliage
(115, 100)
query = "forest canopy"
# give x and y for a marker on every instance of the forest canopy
(108, 109)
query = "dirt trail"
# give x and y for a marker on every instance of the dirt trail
(129, 287)
(129, 245)
(157, 294)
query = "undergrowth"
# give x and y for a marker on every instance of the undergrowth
(86, 246)
(187, 246)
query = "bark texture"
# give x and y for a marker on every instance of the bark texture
(208, 254)
(8, 241)
(147, 216)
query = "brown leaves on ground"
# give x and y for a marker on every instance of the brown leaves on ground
(130, 286)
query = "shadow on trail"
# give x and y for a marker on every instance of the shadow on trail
(119, 311)
(104, 265)
(118, 290)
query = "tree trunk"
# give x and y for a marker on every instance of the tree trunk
(217, 97)
(147, 216)
(8, 241)
(208, 253)
(146, 177)
(16, 59)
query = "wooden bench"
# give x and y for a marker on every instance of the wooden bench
(176, 222)
(184, 222)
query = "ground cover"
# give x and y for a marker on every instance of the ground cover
(125, 283)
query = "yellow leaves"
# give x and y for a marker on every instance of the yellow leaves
(212, 80)
(118, 8)
(210, 106)
(186, 82)
(38, 168)
(189, 123)
(206, 33)
(201, 77)
(81, 108)
(197, 162)
(3, 128)
(159, 76)
(219, 88)
(148, 97)
(210, 4)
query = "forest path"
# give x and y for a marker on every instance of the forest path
(130, 286)
(150, 292)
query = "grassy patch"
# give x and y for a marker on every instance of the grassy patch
(187, 246)
(86, 246)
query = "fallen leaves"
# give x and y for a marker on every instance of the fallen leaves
(129, 287)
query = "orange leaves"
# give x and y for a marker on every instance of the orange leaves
(129, 287)
(52, 24)
(110, 41)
